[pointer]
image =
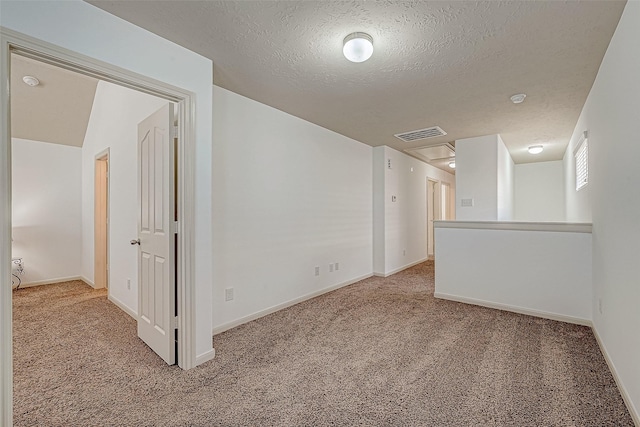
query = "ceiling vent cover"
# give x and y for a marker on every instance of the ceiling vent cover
(415, 135)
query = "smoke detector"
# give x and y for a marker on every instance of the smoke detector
(31, 81)
(518, 98)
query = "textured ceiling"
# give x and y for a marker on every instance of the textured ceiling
(57, 110)
(449, 64)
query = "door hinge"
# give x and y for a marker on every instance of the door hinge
(174, 227)
(174, 322)
(175, 132)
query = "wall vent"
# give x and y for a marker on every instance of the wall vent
(416, 135)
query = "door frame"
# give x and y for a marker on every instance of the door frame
(445, 205)
(103, 156)
(13, 41)
(436, 212)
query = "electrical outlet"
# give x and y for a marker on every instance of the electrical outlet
(129, 284)
(600, 305)
(228, 294)
(330, 268)
(337, 266)
(317, 271)
(404, 252)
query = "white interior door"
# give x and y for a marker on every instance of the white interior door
(156, 253)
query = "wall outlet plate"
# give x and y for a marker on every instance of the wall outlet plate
(317, 271)
(228, 294)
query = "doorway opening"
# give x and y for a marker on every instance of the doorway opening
(12, 42)
(101, 221)
(445, 201)
(433, 213)
(68, 224)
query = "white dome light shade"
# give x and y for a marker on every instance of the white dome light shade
(358, 47)
(536, 149)
(452, 164)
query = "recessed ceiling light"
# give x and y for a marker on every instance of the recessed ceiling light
(536, 149)
(358, 47)
(452, 164)
(518, 98)
(31, 81)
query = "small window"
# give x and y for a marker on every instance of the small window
(582, 162)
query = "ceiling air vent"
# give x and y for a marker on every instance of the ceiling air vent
(415, 135)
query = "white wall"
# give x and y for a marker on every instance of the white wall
(610, 114)
(288, 196)
(113, 124)
(405, 220)
(484, 173)
(545, 273)
(83, 28)
(476, 178)
(46, 195)
(505, 191)
(539, 191)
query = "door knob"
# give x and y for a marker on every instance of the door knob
(135, 242)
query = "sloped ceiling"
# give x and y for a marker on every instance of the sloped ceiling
(452, 64)
(55, 111)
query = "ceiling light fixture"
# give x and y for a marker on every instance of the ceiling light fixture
(536, 149)
(31, 81)
(452, 164)
(518, 98)
(358, 47)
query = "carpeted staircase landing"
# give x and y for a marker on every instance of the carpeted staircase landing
(381, 352)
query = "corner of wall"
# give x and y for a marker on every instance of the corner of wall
(378, 172)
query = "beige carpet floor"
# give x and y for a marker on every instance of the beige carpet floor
(381, 352)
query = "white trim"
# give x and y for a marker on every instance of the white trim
(50, 53)
(623, 391)
(566, 227)
(122, 306)
(515, 309)
(398, 270)
(205, 357)
(58, 280)
(286, 304)
(6, 325)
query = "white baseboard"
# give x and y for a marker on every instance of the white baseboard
(123, 307)
(398, 270)
(52, 281)
(278, 307)
(205, 357)
(623, 391)
(515, 309)
(88, 282)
